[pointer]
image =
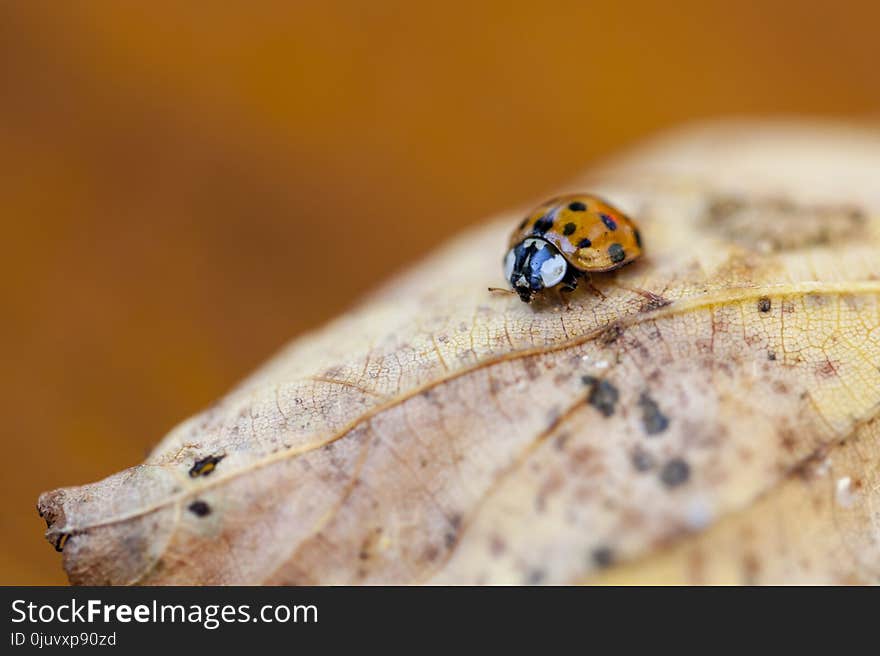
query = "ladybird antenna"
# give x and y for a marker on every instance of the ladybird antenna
(502, 290)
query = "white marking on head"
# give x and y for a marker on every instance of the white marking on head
(522, 282)
(553, 270)
(509, 261)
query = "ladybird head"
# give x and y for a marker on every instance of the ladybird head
(533, 265)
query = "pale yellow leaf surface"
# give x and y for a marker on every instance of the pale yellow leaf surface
(440, 433)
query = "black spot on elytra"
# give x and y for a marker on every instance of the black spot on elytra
(609, 222)
(615, 252)
(204, 466)
(675, 472)
(569, 229)
(523, 224)
(542, 225)
(638, 237)
(764, 304)
(602, 557)
(577, 206)
(602, 396)
(771, 355)
(199, 508)
(584, 243)
(653, 421)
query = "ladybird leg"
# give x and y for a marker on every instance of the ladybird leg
(570, 282)
(568, 285)
(564, 291)
(501, 290)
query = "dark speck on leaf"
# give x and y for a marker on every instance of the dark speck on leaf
(602, 557)
(653, 421)
(200, 508)
(602, 396)
(764, 304)
(675, 472)
(642, 460)
(610, 334)
(535, 577)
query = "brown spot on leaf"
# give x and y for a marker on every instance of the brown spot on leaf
(561, 440)
(767, 224)
(370, 544)
(751, 568)
(610, 334)
(696, 565)
(531, 367)
(552, 484)
(497, 546)
(787, 439)
(826, 369)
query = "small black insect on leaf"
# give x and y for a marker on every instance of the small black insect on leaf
(205, 466)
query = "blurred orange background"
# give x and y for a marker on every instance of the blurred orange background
(165, 166)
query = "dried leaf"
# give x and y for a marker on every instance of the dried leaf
(444, 434)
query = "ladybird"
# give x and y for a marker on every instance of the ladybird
(566, 239)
